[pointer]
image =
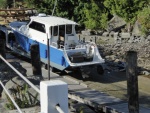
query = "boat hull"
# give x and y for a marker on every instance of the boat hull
(57, 58)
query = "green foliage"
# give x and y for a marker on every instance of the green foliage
(96, 15)
(81, 109)
(80, 11)
(79, 15)
(93, 14)
(127, 9)
(101, 42)
(3, 3)
(144, 20)
(22, 97)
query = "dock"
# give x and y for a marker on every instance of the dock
(82, 93)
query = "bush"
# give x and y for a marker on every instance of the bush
(3, 3)
(22, 97)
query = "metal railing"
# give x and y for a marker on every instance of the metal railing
(13, 101)
(24, 78)
(57, 107)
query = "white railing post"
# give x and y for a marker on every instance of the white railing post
(54, 96)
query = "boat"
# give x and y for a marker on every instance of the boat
(66, 50)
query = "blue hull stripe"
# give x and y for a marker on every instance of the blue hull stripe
(57, 58)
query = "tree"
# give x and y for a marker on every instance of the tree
(144, 19)
(89, 13)
(95, 15)
(127, 9)
(3, 3)
(44, 6)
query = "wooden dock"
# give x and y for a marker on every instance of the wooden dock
(80, 92)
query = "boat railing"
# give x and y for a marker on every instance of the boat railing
(54, 44)
(61, 46)
(80, 46)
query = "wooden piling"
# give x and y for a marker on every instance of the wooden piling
(35, 60)
(2, 48)
(132, 82)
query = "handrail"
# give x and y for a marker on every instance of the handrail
(30, 83)
(54, 44)
(59, 109)
(11, 98)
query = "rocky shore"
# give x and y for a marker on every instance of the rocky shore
(115, 54)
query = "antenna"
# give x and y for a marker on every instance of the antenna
(54, 7)
(14, 3)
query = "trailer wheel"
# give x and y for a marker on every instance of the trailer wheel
(100, 69)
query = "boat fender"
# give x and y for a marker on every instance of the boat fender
(90, 50)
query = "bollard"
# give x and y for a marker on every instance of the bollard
(35, 60)
(53, 94)
(132, 82)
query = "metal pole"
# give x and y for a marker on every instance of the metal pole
(79, 37)
(48, 55)
(14, 3)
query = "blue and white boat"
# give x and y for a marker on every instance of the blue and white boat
(66, 51)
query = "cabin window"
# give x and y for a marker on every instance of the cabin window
(37, 26)
(62, 30)
(68, 29)
(55, 31)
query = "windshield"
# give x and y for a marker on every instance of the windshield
(62, 30)
(68, 29)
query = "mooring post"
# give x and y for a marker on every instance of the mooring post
(2, 48)
(35, 60)
(3, 53)
(132, 82)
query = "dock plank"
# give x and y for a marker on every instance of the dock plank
(86, 95)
